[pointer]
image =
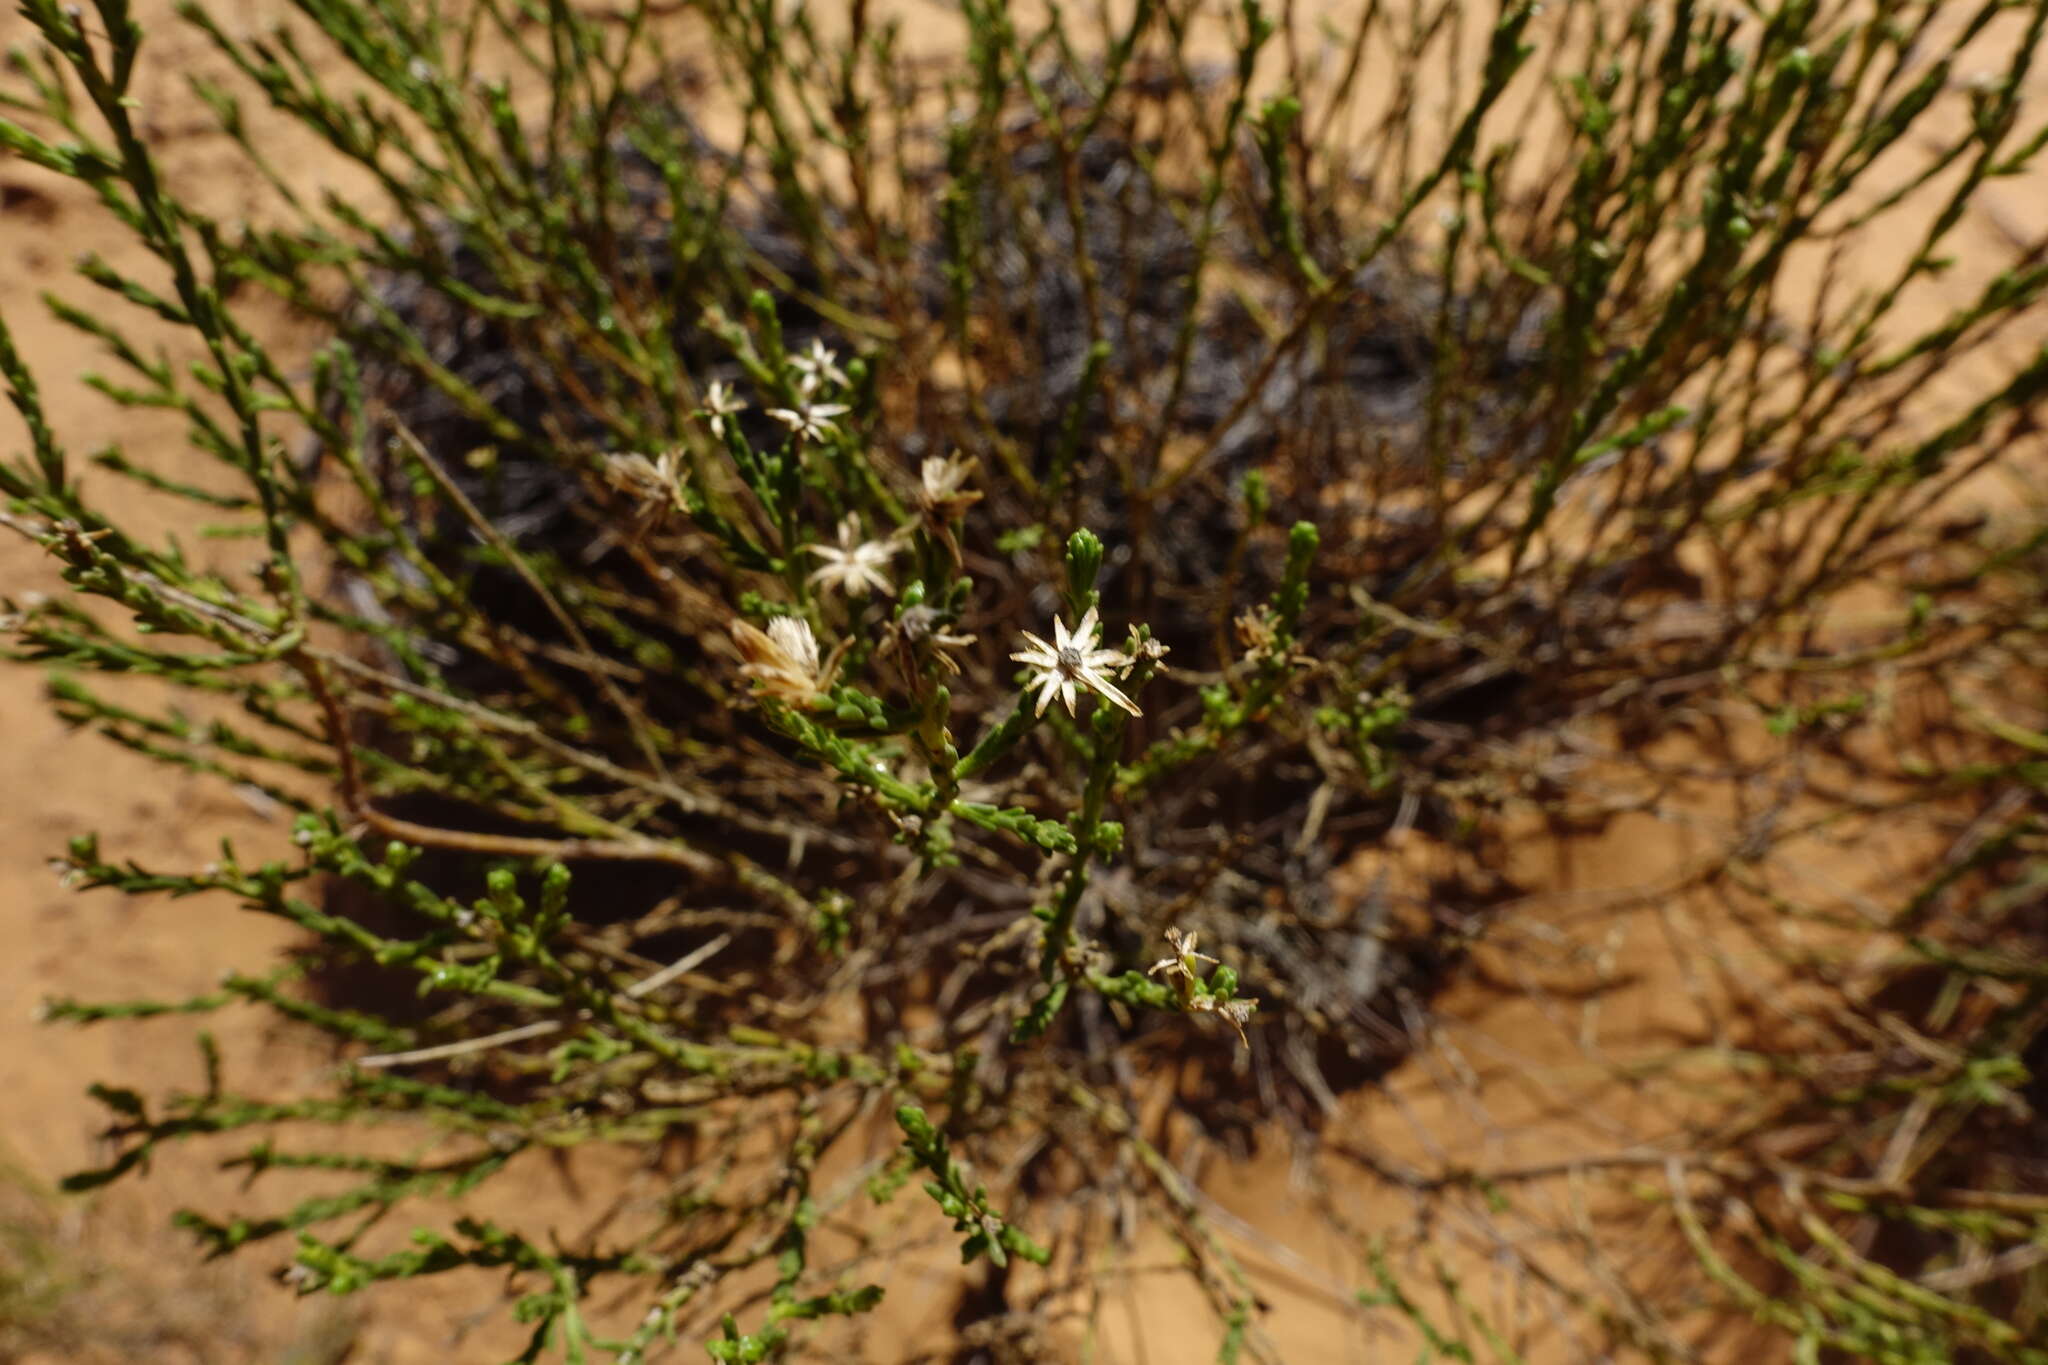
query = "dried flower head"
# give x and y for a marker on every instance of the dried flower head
(719, 404)
(854, 566)
(942, 484)
(782, 660)
(1182, 963)
(1236, 1013)
(1143, 648)
(1258, 632)
(1072, 660)
(1255, 632)
(650, 480)
(818, 365)
(810, 421)
(1180, 969)
(921, 625)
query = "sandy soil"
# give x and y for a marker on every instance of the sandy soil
(121, 1283)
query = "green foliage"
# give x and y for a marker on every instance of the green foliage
(638, 639)
(988, 1234)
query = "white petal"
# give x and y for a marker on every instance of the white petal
(1051, 686)
(1108, 690)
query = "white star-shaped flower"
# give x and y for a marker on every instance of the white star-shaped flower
(810, 421)
(1071, 660)
(818, 365)
(854, 566)
(720, 403)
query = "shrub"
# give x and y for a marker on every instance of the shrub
(813, 582)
